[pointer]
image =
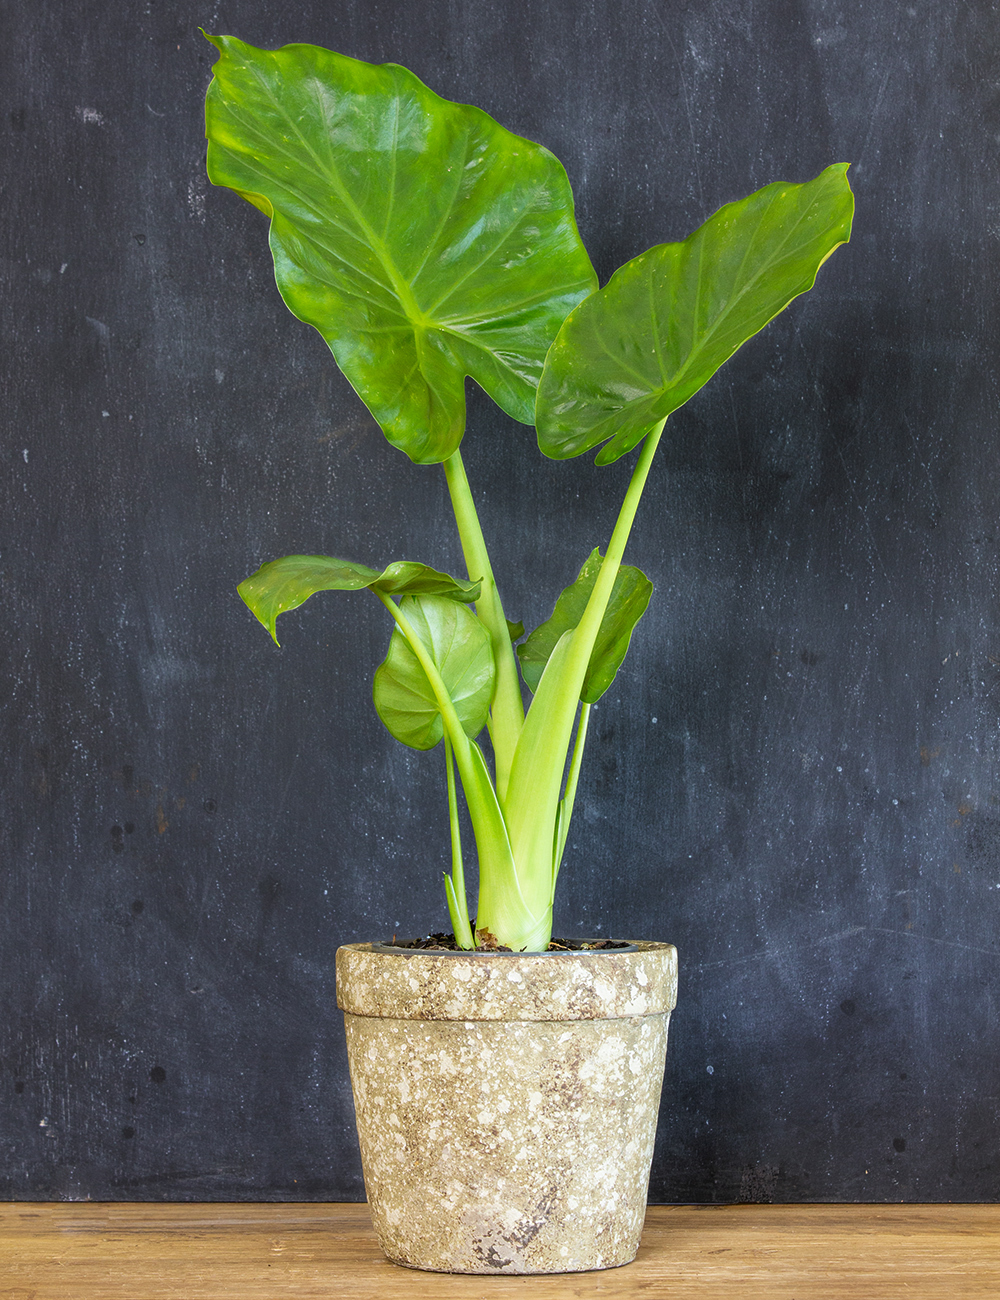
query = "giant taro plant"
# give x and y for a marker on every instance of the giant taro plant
(426, 243)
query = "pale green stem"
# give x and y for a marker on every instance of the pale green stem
(533, 796)
(496, 864)
(507, 712)
(590, 625)
(531, 808)
(458, 904)
(569, 798)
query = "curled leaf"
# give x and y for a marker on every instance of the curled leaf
(460, 648)
(281, 585)
(629, 598)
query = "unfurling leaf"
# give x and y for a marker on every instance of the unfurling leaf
(423, 240)
(281, 585)
(460, 648)
(666, 321)
(629, 598)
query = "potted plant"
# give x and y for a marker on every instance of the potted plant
(506, 1092)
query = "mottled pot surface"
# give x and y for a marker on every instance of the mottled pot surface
(507, 1103)
(414, 984)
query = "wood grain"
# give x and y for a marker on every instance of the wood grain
(146, 1251)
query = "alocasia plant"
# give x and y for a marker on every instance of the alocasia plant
(426, 243)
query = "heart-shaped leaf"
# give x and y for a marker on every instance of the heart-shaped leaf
(460, 647)
(629, 598)
(281, 585)
(423, 240)
(666, 321)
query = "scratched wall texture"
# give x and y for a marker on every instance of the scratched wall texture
(795, 778)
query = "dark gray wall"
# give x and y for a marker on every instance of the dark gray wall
(795, 778)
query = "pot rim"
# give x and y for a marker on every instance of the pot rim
(596, 984)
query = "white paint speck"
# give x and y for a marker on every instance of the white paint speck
(196, 198)
(25, 455)
(90, 115)
(709, 1069)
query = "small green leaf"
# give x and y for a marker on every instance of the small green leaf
(423, 240)
(629, 598)
(514, 630)
(281, 585)
(666, 321)
(461, 650)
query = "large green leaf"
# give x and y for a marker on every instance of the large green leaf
(666, 321)
(460, 648)
(629, 598)
(423, 240)
(281, 585)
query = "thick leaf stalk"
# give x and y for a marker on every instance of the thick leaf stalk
(531, 806)
(507, 712)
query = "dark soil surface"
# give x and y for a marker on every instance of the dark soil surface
(446, 943)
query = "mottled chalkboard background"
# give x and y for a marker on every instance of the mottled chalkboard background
(795, 778)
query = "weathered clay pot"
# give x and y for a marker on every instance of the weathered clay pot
(507, 1102)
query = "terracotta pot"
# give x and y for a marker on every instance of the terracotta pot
(507, 1102)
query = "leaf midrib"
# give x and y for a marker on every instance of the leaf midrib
(694, 352)
(419, 318)
(329, 171)
(697, 350)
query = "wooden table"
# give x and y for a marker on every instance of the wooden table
(89, 1251)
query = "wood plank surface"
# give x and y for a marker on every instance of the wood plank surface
(86, 1251)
